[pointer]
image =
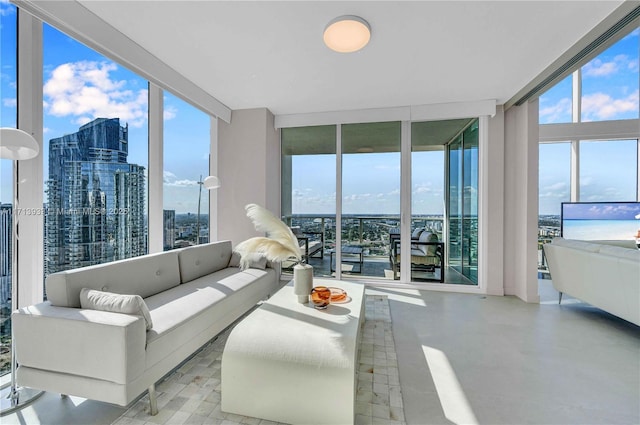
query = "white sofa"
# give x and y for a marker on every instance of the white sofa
(599, 273)
(191, 293)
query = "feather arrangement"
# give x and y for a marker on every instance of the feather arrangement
(279, 245)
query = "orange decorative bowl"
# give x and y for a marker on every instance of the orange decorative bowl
(321, 297)
(338, 295)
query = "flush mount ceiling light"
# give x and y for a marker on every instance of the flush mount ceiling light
(347, 33)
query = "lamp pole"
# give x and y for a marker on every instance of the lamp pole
(200, 183)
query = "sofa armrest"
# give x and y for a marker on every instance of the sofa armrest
(90, 343)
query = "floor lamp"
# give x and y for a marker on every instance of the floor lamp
(16, 145)
(210, 183)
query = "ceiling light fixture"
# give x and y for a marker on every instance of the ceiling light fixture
(347, 33)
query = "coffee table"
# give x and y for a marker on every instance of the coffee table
(288, 362)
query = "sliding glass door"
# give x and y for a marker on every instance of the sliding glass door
(367, 160)
(462, 204)
(309, 192)
(370, 197)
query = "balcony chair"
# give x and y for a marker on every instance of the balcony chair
(311, 243)
(427, 254)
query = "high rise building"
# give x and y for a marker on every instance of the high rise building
(6, 222)
(169, 226)
(96, 200)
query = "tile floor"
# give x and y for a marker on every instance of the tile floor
(191, 395)
(513, 363)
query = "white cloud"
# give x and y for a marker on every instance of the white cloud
(5, 8)
(555, 194)
(554, 113)
(82, 121)
(85, 91)
(169, 113)
(597, 68)
(183, 183)
(601, 106)
(557, 186)
(357, 197)
(170, 179)
(10, 102)
(168, 176)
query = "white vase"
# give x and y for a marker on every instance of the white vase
(302, 282)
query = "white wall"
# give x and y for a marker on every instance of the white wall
(521, 201)
(491, 200)
(249, 171)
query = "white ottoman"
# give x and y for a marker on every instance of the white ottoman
(288, 362)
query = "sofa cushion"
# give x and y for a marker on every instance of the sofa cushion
(201, 260)
(115, 303)
(256, 261)
(145, 276)
(183, 312)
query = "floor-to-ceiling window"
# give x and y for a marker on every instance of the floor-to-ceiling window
(8, 118)
(597, 167)
(94, 159)
(428, 140)
(186, 144)
(370, 197)
(462, 203)
(95, 156)
(309, 191)
(554, 187)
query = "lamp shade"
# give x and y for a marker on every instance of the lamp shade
(17, 144)
(211, 182)
(347, 33)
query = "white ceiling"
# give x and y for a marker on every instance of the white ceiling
(271, 54)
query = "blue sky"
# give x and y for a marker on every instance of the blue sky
(80, 85)
(609, 91)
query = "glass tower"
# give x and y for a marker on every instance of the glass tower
(96, 200)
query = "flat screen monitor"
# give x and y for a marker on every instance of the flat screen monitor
(600, 220)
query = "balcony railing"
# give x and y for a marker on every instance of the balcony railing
(369, 233)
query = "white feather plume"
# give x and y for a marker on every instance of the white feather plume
(279, 245)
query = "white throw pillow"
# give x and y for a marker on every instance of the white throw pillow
(115, 303)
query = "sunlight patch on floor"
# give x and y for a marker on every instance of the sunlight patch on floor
(454, 403)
